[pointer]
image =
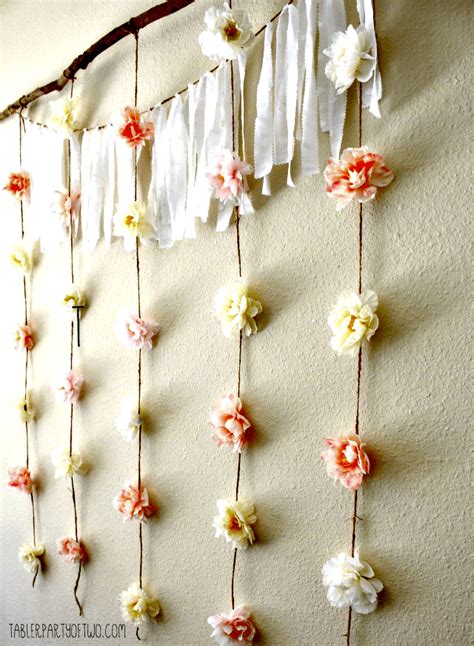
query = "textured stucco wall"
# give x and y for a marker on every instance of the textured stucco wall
(299, 254)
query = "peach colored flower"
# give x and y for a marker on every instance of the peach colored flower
(18, 184)
(346, 461)
(133, 503)
(65, 206)
(356, 176)
(234, 627)
(226, 175)
(134, 129)
(72, 550)
(69, 390)
(23, 338)
(135, 331)
(229, 423)
(20, 477)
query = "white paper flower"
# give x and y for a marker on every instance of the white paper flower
(64, 114)
(353, 318)
(351, 582)
(234, 521)
(25, 410)
(236, 309)
(129, 422)
(131, 223)
(138, 605)
(28, 556)
(20, 258)
(349, 58)
(67, 465)
(72, 299)
(228, 31)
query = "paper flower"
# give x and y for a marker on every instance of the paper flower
(24, 409)
(72, 299)
(235, 627)
(138, 605)
(69, 390)
(67, 465)
(72, 550)
(228, 31)
(234, 521)
(66, 206)
(357, 175)
(346, 461)
(133, 503)
(129, 422)
(64, 114)
(28, 556)
(349, 58)
(353, 318)
(20, 258)
(133, 128)
(130, 223)
(230, 423)
(135, 332)
(23, 338)
(226, 174)
(18, 184)
(236, 309)
(20, 478)
(351, 582)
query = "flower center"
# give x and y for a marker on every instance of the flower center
(234, 524)
(231, 30)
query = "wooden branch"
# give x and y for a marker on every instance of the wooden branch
(133, 26)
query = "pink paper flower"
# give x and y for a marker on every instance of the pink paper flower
(72, 550)
(135, 130)
(346, 460)
(133, 503)
(356, 176)
(69, 390)
(23, 338)
(230, 423)
(18, 184)
(226, 175)
(135, 331)
(20, 477)
(66, 206)
(235, 627)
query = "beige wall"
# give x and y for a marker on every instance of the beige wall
(299, 254)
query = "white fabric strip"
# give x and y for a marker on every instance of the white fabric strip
(242, 62)
(189, 226)
(94, 172)
(108, 172)
(292, 80)
(309, 143)
(176, 171)
(280, 124)
(372, 90)
(302, 36)
(76, 170)
(263, 139)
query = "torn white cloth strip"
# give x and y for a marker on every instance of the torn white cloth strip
(197, 143)
(124, 156)
(176, 171)
(372, 89)
(263, 139)
(108, 146)
(189, 226)
(309, 140)
(159, 212)
(94, 175)
(302, 37)
(75, 171)
(292, 80)
(280, 125)
(242, 63)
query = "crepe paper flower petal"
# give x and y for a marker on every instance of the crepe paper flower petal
(131, 224)
(69, 390)
(137, 605)
(30, 557)
(73, 551)
(346, 461)
(136, 332)
(63, 116)
(234, 522)
(228, 32)
(23, 337)
(351, 582)
(24, 409)
(234, 627)
(129, 423)
(134, 503)
(236, 310)
(229, 423)
(352, 319)
(20, 478)
(18, 184)
(350, 58)
(20, 257)
(226, 175)
(67, 464)
(133, 128)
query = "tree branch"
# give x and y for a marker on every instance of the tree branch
(133, 26)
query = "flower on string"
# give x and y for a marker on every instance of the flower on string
(63, 117)
(226, 174)
(66, 206)
(135, 332)
(72, 550)
(129, 422)
(138, 605)
(346, 461)
(73, 299)
(23, 338)
(69, 390)
(230, 423)
(20, 258)
(236, 309)
(233, 627)
(20, 478)
(134, 503)
(133, 128)
(67, 464)
(25, 410)
(234, 521)
(351, 582)
(349, 58)
(131, 224)
(356, 175)
(353, 318)
(228, 31)
(29, 557)
(18, 184)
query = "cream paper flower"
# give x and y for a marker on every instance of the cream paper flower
(129, 422)
(234, 521)
(67, 465)
(28, 556)
(25, 410)
(63, 115)
(138, 605)
(353, 318)
(349, 58)
(228, 31)
(131, 223)
(236, 309)
(20, 258)
(72, 299)
(351, 582)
